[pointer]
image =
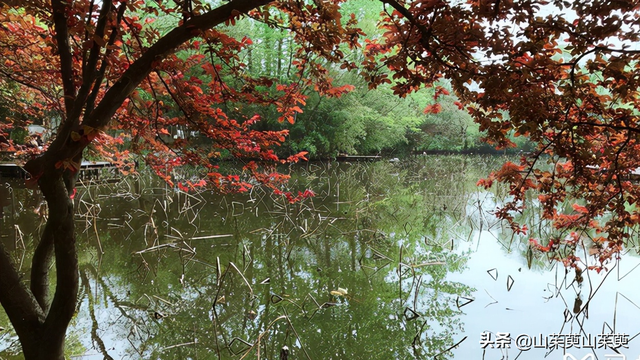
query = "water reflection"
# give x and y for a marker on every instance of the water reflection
(388, 261)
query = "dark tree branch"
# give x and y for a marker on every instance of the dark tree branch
(42, 258)
(28, 84)
(89, 69)
(43, 255)
(609, 126)
(141, 67)
(90, 103)
(596, 49)
(66, 60)
(407, 14)
(18, 302)
(427, 36)
(86, 32)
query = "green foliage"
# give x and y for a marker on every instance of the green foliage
(363, 122)
(19, 135)
(450, 129)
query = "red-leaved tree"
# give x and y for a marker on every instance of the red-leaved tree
(110, 78)
(564, 74)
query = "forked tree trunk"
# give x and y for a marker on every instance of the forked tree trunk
(60, 224)
(41, 324)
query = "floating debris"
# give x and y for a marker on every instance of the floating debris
(237, 346)
(454, 346)
(493, 273)
(577, 305)
(494, 300)
(466, 300)
(579, 278)
(410, 314)
(284, 353)
(339, 292)
(510, 282)
(328, 305)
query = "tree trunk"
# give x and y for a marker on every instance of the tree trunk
(42, 348)
(41, 325)
(56, 189)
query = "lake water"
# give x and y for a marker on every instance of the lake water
(387, 261)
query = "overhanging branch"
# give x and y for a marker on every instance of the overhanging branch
(140, 68)
(89, 73)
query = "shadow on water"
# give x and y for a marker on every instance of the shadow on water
(387, 261)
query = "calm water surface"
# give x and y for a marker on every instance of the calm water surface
(388, 261)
